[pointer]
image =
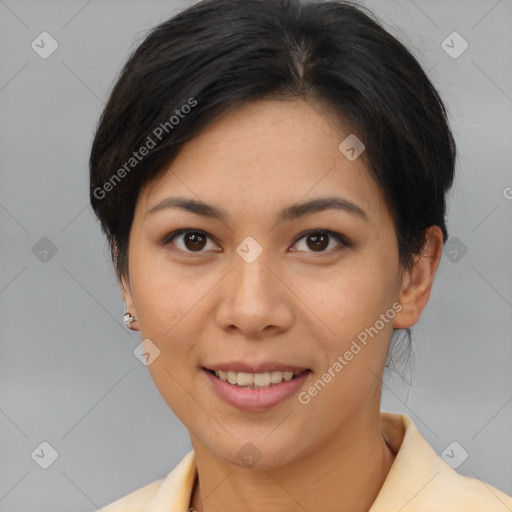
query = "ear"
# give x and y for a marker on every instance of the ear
(417, 282)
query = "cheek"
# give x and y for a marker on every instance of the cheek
(168, 307)
(356, 353)
(351, 306)
(353, 297)
(161, 293)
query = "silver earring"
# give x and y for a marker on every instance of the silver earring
(128, 318)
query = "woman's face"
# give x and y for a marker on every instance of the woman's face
(253, 291)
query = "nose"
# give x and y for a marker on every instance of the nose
(254, 300)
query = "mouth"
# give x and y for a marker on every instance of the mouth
(256, 380)
(256, 391)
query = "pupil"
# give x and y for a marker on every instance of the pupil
(195, 239)
(321, 245)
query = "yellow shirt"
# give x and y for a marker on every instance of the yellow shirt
(418, 481)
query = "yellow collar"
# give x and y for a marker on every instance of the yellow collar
(419, 481)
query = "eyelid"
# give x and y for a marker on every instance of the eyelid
(167, 239)
(341, 239)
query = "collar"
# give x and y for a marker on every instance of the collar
(418, 479)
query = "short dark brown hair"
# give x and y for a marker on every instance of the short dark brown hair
(219, 54)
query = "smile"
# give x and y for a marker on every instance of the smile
(256, 380)
(256, 391)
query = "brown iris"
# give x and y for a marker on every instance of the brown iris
(321, 241)
(194, 240)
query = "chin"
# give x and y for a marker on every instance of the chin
(258, 453)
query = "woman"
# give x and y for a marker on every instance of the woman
(271, 176)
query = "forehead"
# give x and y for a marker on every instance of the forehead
(267, 153)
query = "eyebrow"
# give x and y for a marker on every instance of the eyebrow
(288, 213)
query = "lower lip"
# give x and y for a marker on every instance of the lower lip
(256, 399)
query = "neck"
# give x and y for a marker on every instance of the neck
(345, 474)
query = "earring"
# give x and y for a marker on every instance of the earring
(128, 318)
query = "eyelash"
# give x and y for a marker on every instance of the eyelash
(342, 240)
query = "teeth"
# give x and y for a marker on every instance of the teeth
(258, 380)
(262, 380)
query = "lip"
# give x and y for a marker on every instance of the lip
(240, 366)
(248, 399)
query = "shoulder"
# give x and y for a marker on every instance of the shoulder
(462, 492)
(420, 480)
(169, 493)
(471, 494)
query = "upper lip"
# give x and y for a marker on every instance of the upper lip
(270, 366)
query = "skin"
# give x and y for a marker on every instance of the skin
(295, 303)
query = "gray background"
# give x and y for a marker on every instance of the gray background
(68, 373)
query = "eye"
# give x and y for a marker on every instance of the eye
(319, 240)
(192, 240)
